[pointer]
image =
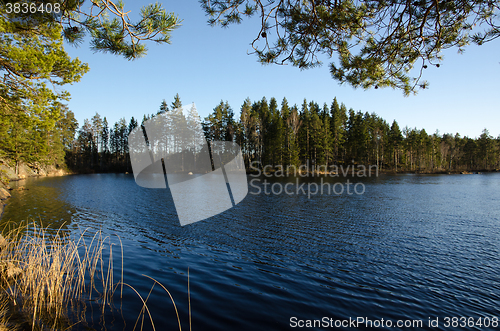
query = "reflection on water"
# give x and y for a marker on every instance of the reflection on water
(410, 247)
(41, 203)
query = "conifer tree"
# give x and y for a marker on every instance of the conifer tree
(176, 103)
(287, 131)
(326, 136)
(305, 133)
(279, 140)
(96, 139)
(294, 123)
(263, 113)
(338, 127)
(163, 107)
(316, 138)
(85, 143)
(104, 142)
(245, 137)
(219, 126)
(395, 139)
(273, 139)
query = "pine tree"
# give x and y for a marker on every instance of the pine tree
(123, 136)
(316, 139)
(279, 140)
(96, 138)
(245, 140)
(327, 137)
(67, 127)
(294, 123)
(287, 131)
(338, 128)
(62, 137)
(176, 103)
(84, 142)
(305, 133)
(264, 116)
(272, 139)
(395, 140)
(164, 107)
(104, 142)
(357, 137)
(487, 150)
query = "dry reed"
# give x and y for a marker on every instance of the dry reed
(47, 276)
(44, 273)
(145, 308)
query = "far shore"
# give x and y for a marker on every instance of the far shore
(372, 173)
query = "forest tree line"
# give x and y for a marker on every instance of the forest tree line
(279, 134)
(41, 138)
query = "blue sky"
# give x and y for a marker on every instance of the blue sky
(208, 64)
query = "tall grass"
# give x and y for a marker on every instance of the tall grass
(47, 275)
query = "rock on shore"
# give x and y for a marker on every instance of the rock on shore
(4, 195)
(25, 170)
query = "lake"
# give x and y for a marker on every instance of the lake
(411, 247)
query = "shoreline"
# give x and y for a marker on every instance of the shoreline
(372, 173)
(8, 174)
(24, 171)
(36, 170)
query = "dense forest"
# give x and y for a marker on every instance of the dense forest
(41, 138)
(311, 134)
(268, 132)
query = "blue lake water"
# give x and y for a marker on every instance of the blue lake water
(411, 247)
